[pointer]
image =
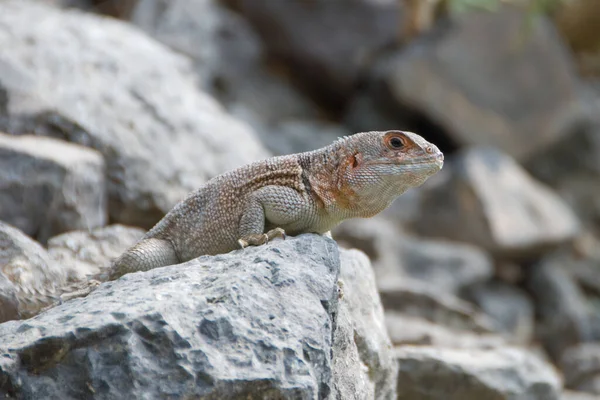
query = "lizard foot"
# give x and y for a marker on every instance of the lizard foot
(258, 239)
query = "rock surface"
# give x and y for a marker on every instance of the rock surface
(448, 374)
(258, 323)
(25, 270)
(156, 130)
(85, 253)
(565, 317)
(327, 45)
(488, 81)
(48, 186)
(365, 330)
(447, 266)
(510, 308)
(581, 367)
(484, 197)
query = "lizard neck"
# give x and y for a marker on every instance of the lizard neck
(327, 173)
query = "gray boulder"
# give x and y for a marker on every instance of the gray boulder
(429, 373)
(50, 186)
(487, 80)
(326, 44)
(446, 265)
(232, 64)
(259, 323)
(104, 84)
(485, 198)
(581, 367)
(565, 316)
(510, 308)
(87, 253)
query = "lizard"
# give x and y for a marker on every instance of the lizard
(312, 192)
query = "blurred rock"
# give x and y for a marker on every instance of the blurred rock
(487, 79)
(409, 330)
(484, 197)
(572, 165)
(510, 309)
(327, 45)
(447, 266)
(450, 374)
(49, 186)
(581, 368)
(9, 302)
(258, 323)
(114, 8)
(563, 312)
(361, 325)
(571, 395)
(29, 270)
(415, 299)
(233, 66)
(160, 136)
(86, 253)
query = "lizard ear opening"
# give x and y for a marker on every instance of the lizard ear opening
(356, 159)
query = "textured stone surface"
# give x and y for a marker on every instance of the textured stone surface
(366, 331)
(48, 186)
(258, 323)
(448, 374)
(161, 137)
(487, 82)
(25, 269)
(84, 253)
(484, 197)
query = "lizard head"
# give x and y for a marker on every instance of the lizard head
(386, 164)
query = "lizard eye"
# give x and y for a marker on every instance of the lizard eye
(396, 142)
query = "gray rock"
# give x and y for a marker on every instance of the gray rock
(415, 299)
(485, 198)
(86, 253)
(326, 44)
(9, 301)
(232, 64)
(413, 330)
(473, 78)
(581, 368)
(49, 186)
(468, 374)
(25, 270)
(510, 308)
(361, 324)
(572, 165)
(572, 395)
(447, 266)
(258, 323)
(564, 313)
(161, 137)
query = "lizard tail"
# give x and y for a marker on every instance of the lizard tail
(147, 254)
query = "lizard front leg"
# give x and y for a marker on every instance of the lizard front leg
(278, 205)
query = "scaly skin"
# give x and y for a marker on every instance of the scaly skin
(357, 176)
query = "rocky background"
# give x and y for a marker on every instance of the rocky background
(482, 284)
